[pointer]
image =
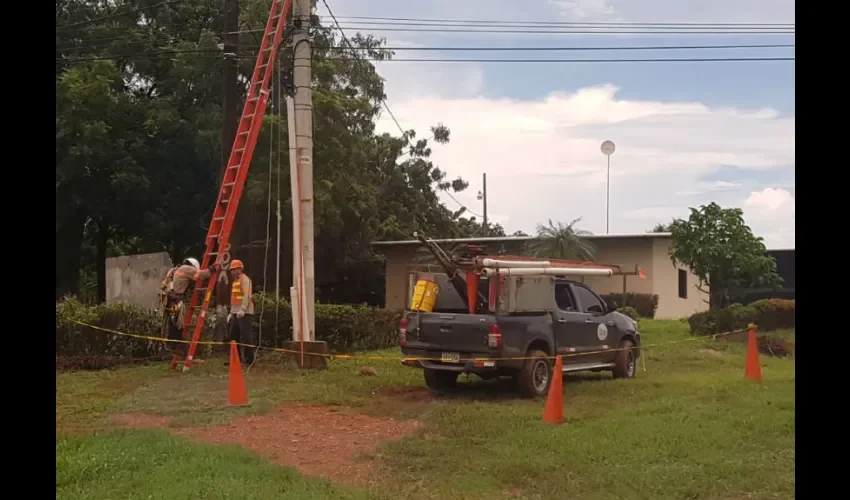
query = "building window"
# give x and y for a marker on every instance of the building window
(683, 284)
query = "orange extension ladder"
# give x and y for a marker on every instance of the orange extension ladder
(218, 236)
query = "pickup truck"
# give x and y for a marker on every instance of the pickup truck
(578, 326)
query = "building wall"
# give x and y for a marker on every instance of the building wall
(135, 279)
(396, 281)
(627, 253)
(650, 254)
(665, 282)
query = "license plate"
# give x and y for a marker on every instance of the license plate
(450, 357)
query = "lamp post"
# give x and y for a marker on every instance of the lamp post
(608, 149)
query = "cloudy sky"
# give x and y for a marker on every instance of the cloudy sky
(687, 133)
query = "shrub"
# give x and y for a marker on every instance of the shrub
(768, 314)
(644, 303)
(343, 327)
(630, 312)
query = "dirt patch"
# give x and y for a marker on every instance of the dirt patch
(139, 421)
(407, 394)
(318, 441)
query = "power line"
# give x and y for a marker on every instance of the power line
(118, 14)
(566, 31)
(556, 49)
(474, 21)
(519, 61)
(533, 49)
(500, 24)
(363, 28)
(444, 60)
(354, 51)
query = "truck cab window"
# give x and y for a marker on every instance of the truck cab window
(590, 303)
(563, 298)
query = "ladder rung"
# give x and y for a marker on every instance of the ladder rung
(245, 132)
(228, 184)
(218, 218)
(239, 150)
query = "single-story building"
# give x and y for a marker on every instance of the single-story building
(675, 286)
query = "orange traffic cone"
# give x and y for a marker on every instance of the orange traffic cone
(553, 412)
(237, 394)
(753, 367)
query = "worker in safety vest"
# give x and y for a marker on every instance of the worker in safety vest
(173, 291)
(241, 311)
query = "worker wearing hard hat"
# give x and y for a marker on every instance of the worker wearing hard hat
(241, 311)
(173, 291)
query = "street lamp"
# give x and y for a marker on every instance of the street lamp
(608, 149)
(482, 196)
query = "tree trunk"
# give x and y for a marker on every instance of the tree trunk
(102, 242)
(69, 241)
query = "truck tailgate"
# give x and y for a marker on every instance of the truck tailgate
(463, 333)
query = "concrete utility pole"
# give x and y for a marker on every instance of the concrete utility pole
(230, 90)
(482, 196)
(302, 77)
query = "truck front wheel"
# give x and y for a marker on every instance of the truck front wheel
(535, 376)
(440, 380)
(626, 362)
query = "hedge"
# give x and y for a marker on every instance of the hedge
(767, 314)
(644, 303)
(343, 327)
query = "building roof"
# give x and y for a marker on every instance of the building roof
(505, 239)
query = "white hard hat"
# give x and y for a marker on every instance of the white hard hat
(192, 262)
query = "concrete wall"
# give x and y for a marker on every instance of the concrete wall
(135, 279)
(399, 260)
(625, 252)
(649, 253)
(665, 281)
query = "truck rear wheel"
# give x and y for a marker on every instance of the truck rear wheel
(625, 365)
(535, 376)
(440, 380)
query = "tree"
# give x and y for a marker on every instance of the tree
(662, 228)
(722, 251)
(562, 241)
(138, 122)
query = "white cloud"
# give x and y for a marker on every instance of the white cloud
(771, 214)
(677, 11)
(542, 157)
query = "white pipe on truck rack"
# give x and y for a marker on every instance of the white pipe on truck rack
(515, 264)
(551, 271)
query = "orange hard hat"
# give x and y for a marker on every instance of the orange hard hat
(237, 264)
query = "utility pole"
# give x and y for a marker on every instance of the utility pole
(230, 91)
(484, 181)
(482, 196)
(302, 78)
(608, 149)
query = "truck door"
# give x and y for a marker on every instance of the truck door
(573, 335)
(599, 330)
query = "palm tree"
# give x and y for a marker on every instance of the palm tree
(562, 241)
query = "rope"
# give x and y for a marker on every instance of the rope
(273, 88)
(277, 256)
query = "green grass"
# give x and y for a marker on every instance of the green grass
(153, 464)
(688, 427)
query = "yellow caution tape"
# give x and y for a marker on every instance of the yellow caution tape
(407, 358)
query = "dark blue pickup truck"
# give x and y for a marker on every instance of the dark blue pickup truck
(576, 324)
